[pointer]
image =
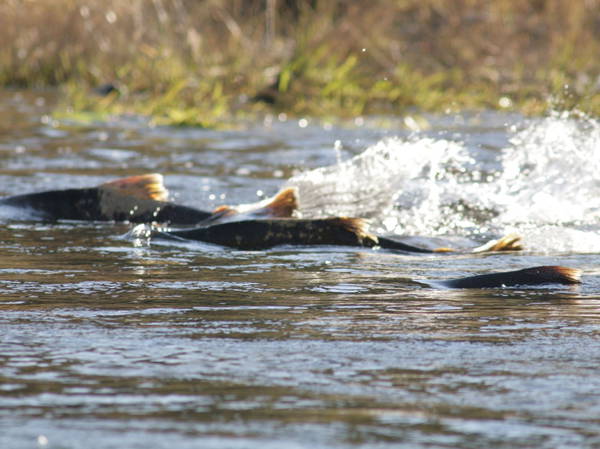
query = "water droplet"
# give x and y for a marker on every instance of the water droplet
(111, 17)
(505, 102)
(411, 123)
(337, 147)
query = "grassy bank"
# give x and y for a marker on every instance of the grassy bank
(202, 62)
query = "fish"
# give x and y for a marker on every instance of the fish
(284, 204)
(509, 242)
(268, 223)
(259, 234)
(139, 199)
(542, 275)
(267, 233)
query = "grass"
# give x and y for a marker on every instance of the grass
(192, 62)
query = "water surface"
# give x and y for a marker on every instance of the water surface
(106, 342)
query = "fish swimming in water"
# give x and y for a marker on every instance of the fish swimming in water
(144, 199)
(139, 199)
(510, 242)
(259, 234)
(542, 275)
(267, 233)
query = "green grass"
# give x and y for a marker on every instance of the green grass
(208, 63)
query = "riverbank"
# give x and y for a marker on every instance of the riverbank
(202, 63)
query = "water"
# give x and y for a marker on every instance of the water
(106, 342)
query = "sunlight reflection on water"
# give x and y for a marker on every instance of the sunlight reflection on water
(188, 345)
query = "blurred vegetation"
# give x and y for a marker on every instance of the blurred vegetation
(203, 62)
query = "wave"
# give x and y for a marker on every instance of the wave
(544, 184)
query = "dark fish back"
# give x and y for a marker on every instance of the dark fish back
(68, 204)
(97, 204)
(263, 234)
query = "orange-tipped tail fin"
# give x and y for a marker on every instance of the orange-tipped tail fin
(282, 205)
(510, 242)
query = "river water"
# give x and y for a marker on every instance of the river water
(108, 342)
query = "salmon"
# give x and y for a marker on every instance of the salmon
(267, 233)
(144, 199)
(542, 275)
(510, 242)
(138, 199)
(258, 234)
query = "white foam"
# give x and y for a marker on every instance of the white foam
(544, 184)
(369, 184)
(551, 239)
(13, 213)
(550, 173)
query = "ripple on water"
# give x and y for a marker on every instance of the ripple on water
(173, 345)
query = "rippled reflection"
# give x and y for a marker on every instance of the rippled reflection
(169, 345)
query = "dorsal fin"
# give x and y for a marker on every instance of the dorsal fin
(147, 187)
(359, 227)
(283, 204)
(556, 273)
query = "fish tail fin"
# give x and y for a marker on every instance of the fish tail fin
(282, 205)
(147, 187)
(510, 242)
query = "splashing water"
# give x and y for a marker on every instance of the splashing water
(370, 184)
(550, 173)
(544, 185)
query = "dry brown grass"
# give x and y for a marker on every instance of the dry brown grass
(185, 58)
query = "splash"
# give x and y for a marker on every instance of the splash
(550, 173)
(544, 185)
(370, 184)
(13, 213)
